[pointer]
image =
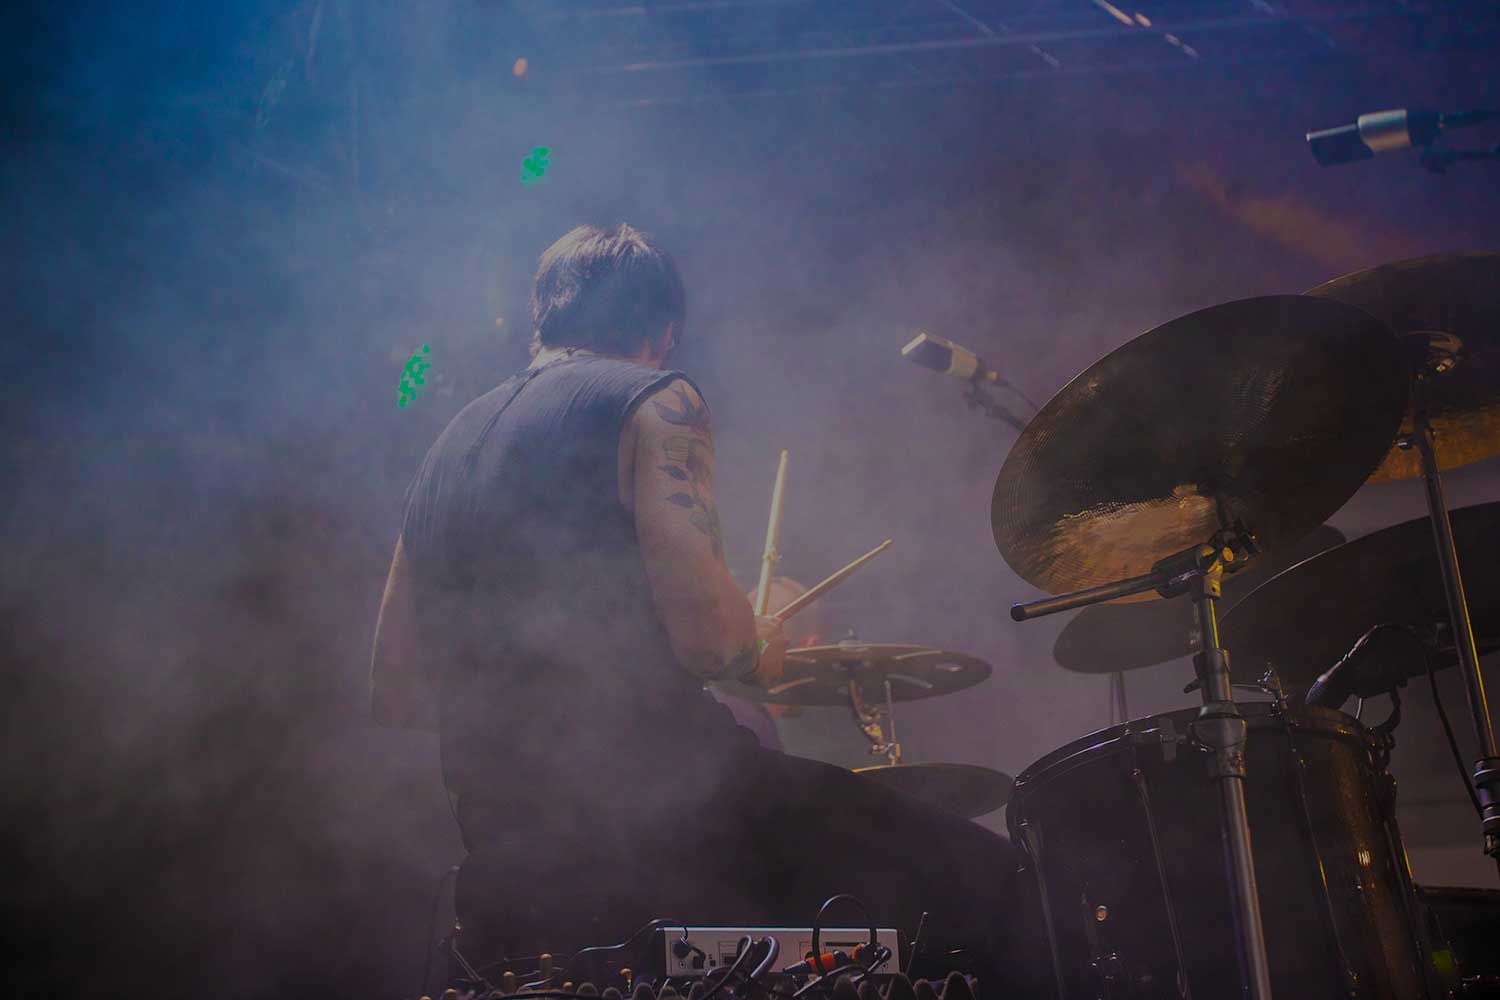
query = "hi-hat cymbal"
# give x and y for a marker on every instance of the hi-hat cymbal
(1110, 637)
(1456, 294)
(821, 675)
(1303, 620)
(967, 790)
(1267, 413)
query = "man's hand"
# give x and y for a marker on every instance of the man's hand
(773, 642)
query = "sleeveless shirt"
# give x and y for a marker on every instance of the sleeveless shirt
(555, 684)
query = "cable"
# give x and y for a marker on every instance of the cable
(437, 897)
(817, 926)
(773, 949)
(1458, 757)
(650, 926)
(817, 929)
(855, 970)
(746, 947)
(659, 923)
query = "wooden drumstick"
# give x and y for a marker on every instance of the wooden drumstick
(773, 535)
(820, 589)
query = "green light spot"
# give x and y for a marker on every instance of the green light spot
(412, 376)
(534, 165)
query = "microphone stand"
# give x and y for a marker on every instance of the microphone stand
(1487, 767)
(980, 400)
(1220, 727)
(1438, 159)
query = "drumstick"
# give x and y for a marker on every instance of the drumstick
(833, 581)
(773, 535)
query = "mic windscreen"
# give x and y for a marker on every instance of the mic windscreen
(942, 355)
(1327, 691)
(929, 352)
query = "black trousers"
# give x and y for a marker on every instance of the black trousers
(779, 838)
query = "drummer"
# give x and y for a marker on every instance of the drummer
(571, 595)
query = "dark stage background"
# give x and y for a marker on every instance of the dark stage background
(228, 225)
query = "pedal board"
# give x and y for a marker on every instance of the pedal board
(696, 951)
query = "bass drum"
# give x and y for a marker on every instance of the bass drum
(1122, 829)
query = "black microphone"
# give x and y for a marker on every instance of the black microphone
(1386, 131)
(942, 355)
(1373, 666)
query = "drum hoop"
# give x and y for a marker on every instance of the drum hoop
(1148, 731)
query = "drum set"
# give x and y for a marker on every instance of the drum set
(1239, 849)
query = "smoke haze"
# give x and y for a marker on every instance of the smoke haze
(230, 225)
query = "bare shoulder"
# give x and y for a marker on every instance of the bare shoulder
(676, 407)
(674, 462)
(675, 435)
(672, 421)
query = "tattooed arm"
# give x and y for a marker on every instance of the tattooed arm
(667, 479)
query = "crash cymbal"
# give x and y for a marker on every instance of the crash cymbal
(967, 790)
(820, 675)
(1110, 637)
(1303, 620)
(1456, 294)
(1266, 412)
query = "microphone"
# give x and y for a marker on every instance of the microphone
(1386, 131)
(942, 355)
(1371, 667)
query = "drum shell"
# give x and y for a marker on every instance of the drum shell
(1123, 830)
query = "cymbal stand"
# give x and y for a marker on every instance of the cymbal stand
(1117, 703)
(1222, 729)
(869, 718)
(979, 400)
(1199, 571)
(1487, 767)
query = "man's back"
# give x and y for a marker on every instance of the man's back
(559, 591)
(555, 684)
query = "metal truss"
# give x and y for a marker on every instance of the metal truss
(690, 50)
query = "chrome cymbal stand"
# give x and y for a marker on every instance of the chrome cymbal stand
(1199, 571)
(869, 718)
(1222, 729)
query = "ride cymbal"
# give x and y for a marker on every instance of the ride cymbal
(1266, 413)
(1303, 620)
(1457, 295)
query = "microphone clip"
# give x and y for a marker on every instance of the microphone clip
(979, 399)
(1439, 156)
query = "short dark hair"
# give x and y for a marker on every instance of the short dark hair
(612, 290)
